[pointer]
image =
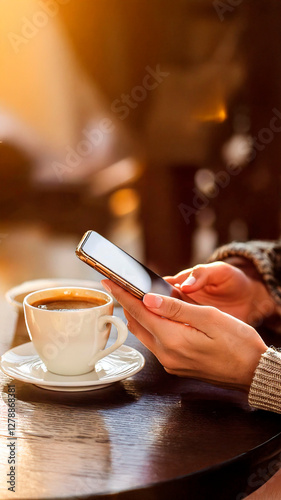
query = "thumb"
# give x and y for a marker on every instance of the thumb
(197, 279)
(206, 274)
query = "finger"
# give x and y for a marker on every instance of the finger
(207, 319)
(206, 274)
(135, 307)
(142, 334)
(179, 277)
(160, 323)
(179, 294)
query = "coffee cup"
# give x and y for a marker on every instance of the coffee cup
(70, 327)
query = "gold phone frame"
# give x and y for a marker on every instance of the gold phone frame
(104, 270)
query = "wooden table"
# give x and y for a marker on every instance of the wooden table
(154, 436)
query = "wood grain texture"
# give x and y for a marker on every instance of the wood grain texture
(151, 436)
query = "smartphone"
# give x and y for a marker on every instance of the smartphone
(120, 267)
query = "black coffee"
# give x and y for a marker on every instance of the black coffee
(68, 304)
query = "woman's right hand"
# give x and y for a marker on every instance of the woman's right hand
(193, 341)
(227, 288)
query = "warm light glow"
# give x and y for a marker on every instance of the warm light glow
(204, 180)
(122, 172)
(219, 116)
(123, 202)
(237, 149)
(41, 82)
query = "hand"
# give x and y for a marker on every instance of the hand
(227, 288)
(193, 341)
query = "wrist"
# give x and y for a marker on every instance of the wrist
(250, 361)
(262, 306)
(244, 265)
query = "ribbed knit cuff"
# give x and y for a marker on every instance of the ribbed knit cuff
(265, 389)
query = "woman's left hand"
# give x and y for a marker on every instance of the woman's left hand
(227, 288)
(192, 340)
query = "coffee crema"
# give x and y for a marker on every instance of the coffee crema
(68, 303)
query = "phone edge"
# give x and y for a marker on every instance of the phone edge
(104, 270)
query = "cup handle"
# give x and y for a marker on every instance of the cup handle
(122, 333)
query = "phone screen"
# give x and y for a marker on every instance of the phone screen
(124, 265)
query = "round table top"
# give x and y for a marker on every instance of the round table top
(152, 435)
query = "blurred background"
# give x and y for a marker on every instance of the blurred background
(154, 122)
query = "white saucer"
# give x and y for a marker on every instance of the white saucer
(23, 363)
(16, 294)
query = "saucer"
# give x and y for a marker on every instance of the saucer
(23, 363)
(15, 295)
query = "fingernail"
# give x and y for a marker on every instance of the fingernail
(189, 281)
(153, 301)
(106, 285)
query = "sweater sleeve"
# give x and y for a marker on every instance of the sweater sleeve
(265, 389)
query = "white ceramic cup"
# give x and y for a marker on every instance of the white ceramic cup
(70, 342)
